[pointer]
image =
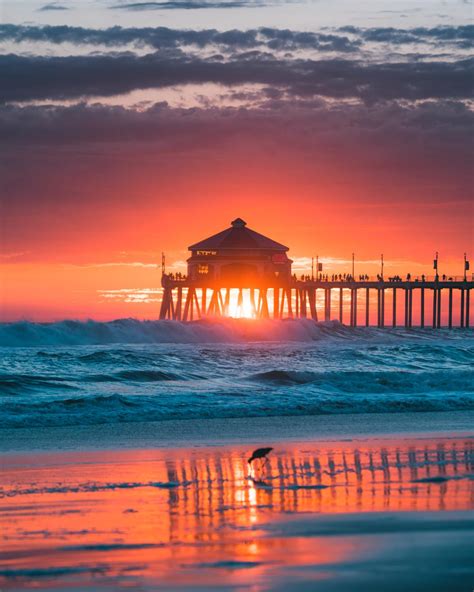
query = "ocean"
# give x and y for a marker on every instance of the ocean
(73, 373)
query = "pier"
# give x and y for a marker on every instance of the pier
(241, 273)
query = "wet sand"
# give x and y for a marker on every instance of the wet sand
(361, 514)
(191, 433)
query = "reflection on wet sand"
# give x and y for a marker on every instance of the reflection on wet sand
(177, 517)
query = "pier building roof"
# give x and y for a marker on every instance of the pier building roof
(238, 236)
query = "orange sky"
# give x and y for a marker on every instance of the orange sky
(93, 278)
(101, 226)
(80, 211)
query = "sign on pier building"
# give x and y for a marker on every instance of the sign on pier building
(240, 257)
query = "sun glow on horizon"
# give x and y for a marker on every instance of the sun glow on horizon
(243, 309)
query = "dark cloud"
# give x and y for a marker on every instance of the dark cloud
(188, 5)
(72, 175)
(53, 6)
(310, 121)
(158, 37)
(286, 39)
(27, 78)
(162, 37)
(77, 177)
(433, 140)
(462, 36)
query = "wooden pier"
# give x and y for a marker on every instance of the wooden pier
(352, 301)
(241, 273)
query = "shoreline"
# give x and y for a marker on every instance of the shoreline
(335, 514)
(198, 433)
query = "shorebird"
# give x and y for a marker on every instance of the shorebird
(260, 454)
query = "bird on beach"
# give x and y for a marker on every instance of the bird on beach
(261, 455)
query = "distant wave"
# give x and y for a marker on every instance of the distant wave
(132, 331)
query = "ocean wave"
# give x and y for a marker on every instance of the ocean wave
(24, 383)
(311, 383)
(123, 355)
(131, 376)
(108, 409)
(85, 373)
(132, 331)
(146, 375)
(284, 377)
(352, 381)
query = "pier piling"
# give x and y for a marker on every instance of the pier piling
(185, 300)
(367, 300)
(394, 307)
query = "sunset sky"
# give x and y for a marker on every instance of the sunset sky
(131, 128)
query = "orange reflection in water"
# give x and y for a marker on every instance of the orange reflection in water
(141, 518)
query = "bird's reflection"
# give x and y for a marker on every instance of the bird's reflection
(324, 478)
(259, 483)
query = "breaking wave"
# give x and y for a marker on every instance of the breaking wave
(127, 331)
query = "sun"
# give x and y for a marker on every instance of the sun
(242, 310)
(245, 311)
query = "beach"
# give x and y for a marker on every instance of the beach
(359, 511)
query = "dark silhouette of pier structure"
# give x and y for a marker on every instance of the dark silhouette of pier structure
(257, 270)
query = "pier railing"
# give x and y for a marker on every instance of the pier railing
(387, 279)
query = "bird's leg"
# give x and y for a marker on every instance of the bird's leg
(252, 468)
(265, 461)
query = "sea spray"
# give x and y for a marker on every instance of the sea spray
(228, 330)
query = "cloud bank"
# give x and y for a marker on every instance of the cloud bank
(28, 78)
(383, 139)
